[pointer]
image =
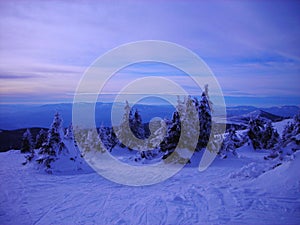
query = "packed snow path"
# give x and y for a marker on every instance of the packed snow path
(231, 191)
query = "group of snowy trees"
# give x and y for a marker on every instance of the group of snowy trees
(53, 145)
(261, 134)
(49, 146)
(230, 143)
(180, 130)
(189, 128)
(289, 142)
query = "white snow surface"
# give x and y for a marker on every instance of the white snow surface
(69, 161)
(279, 126)
(245, 190)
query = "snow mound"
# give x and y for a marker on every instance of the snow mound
(279, 126)
(253, 170)
(287, 174)
(69, 160)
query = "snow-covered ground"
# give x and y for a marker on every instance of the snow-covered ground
(245, 190)
(279, 126)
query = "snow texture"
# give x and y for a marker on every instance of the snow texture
(245, 190)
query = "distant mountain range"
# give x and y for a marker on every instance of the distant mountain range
(26, 116)
(284, 111)
(15, 119)
(244, 119)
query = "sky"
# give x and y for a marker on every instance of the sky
(252, 47)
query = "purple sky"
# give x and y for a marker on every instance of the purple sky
(251, 46)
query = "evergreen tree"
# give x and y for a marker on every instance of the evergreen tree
(205, 120)
(290, 142)
(158, 135)
(54, 144)
(230, 144)
(255, 132)
(40, 139)
(69, 133)
(90, 141)
(184, 128)
(107, 137)
(262, 134)
(136, 126)
(291, 133)
(131, 132)
(270, 137)
(173, 134)
(123, 131)
(27, 146)
(190, 125)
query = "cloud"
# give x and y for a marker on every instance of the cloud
(251, 46)
(14, 76)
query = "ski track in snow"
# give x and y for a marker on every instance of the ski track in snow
(190, 197)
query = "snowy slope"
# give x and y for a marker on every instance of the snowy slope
(25, 116)
(215, 196)
(279, 126)
(69, 160)
(245, 118)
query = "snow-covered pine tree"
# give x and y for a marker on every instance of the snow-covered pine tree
(123, 132)
(290, 141)
(173, 129)
(136, 125)
(158, 135)
(131, 129)
(107, 137)
(40, 139)
(27, 146)
(205, 120)
(230, 144)
(255, 132)
(69, 133)
(91, 141)
(189, 117)
(183, 117)
(262, 134)
(48, 152)
(270, 137)
(60, 153)
(171, 140)
(291, 133)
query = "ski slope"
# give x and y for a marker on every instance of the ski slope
(245, 190)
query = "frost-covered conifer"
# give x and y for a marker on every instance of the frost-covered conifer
(189, 125)
(69, 133)
(136, 125)
(107, 137)
(27, 146)
(270, 137)
(291, 133)
(40, 139)
(290, 141)
(158, 135)
(262, 134)
(204, 111)
(131, 131)
(173, 134)
(255, 132)
(230, 144)
(123, 131)
(54, 145)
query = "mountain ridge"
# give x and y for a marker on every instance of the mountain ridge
(26, 116)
